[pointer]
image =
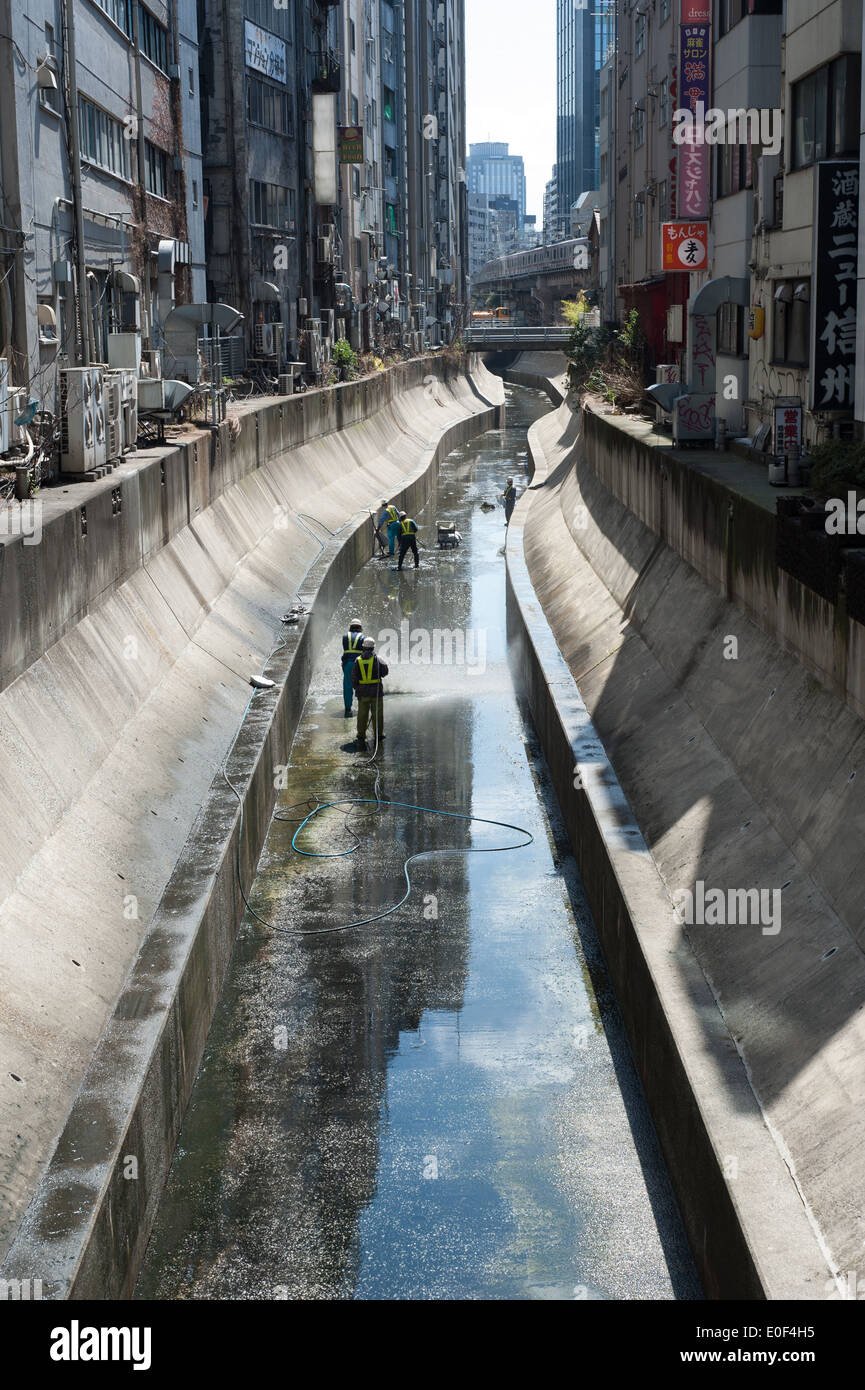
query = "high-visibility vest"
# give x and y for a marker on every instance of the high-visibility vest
(393, 514)
(355, 641)
(364, 667)
(406, 526)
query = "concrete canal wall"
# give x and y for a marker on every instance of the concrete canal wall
(689, 742)
(129, 737)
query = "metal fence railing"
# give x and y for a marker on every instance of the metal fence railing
(504, 337)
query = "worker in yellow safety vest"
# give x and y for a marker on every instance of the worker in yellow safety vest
(366, 676)
(407, 539)
(390, 515)
(352, 645)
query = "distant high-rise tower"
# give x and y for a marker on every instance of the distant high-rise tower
(582, 38)
(492, 171)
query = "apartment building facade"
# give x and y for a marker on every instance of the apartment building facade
(101, 181)
(765, 195)
(403, 252)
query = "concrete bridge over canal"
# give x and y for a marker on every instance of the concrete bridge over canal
(503, 338)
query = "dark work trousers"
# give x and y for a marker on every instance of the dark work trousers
(407, 543)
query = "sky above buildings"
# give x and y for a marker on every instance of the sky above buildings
(511, 81)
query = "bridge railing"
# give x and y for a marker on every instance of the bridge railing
(503, 336)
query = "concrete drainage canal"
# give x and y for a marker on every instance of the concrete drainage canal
(438, 1104)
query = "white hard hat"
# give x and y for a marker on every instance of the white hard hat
(368, 644)
(355, 622)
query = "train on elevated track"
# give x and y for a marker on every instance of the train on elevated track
(537, 260)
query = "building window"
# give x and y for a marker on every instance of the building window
(353, 35)
(663, 93)
(826, 112)
(355, 181)
(733, 169)
(791, 320)
(270, 205)
(390, 161)
(640, 35)
(192, 82)
(603, 168)
(603, 110)
(389, 105)
(153, 37)
(639, 126)
(102, 139)
(120, 11)
(729, 13)
(268, 106)
(639, 219)
(731, 334)
(664, 11)
(390, 211)
(355, 111)
(156, 176)
(194, 193)
(663, 210)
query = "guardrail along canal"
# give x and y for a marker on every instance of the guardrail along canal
(440, 1104)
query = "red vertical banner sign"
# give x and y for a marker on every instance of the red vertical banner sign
(695, 41)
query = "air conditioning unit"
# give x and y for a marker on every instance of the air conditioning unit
(151, 364)
(328, 230)
(82, 419)
(100, 432)
(666, 372)
(4, 405)
(314, 353)
(130, 423)
(113, 420)
(768, 166)
(126, 380)
(325, 250)
(124, 350)
(268, 339)
(302, 308)
(328, 323)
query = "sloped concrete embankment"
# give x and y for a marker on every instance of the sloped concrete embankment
(547, 371)
(705, 752)
(126, 689)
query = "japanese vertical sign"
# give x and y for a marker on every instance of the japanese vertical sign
(693, 181)
(833, 297)
(788, 426)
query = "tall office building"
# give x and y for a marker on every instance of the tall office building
(402, 256)
(583, 36)
(492, 171)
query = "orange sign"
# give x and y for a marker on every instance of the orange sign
(684, 245)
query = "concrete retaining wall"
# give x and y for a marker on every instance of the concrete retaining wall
(748, 1043)
(729, 539)
(121, 894)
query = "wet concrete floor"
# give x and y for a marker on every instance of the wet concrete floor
(441, 1104)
